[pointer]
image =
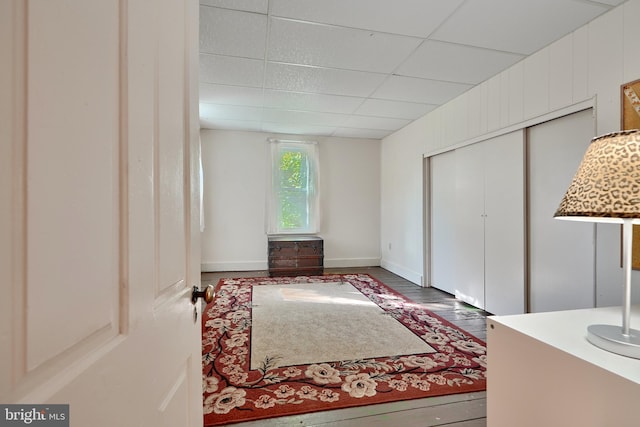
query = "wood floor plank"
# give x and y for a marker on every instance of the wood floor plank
(443, 410)
(429, 416)
(478, 422)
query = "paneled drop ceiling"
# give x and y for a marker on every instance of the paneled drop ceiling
(362, 68)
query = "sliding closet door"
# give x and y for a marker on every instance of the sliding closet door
(561, 253)
(469, 214)
(504, 224)
(489, 246)
(443, 227)
(477, 223)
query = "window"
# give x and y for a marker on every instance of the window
(293, 193)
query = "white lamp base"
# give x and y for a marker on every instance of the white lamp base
(611, 338)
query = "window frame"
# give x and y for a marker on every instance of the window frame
(273, 214)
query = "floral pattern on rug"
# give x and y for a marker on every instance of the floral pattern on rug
(234, 393)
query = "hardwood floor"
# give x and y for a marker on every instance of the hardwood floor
(461, 410)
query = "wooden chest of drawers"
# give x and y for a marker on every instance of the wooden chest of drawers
(296, 256)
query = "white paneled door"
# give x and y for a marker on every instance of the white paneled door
(99, 246)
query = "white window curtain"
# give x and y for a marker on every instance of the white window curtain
(292, 188)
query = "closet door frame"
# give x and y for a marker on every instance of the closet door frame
(588, 104)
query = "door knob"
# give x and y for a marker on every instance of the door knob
(207, 294)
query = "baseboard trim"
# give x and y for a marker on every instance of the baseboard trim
(207, 267)
(351, 262)
(403, 272)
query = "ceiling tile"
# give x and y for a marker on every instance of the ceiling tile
(361, 133)
(293, 117)
(330, 81)
(230, 95)
(419, 90)
(395, 109)
(234, 33)
(258, 6)
(456, 63)
(311, 101)
(230, 70)
(518, 26)
(230, 112)
(247, 125)
(409, 17)
(337, 47)
(297, 129)
(378, 123)
(361, 68)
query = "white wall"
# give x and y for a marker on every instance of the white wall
(235, 169)
(401, 205)
(586, 66)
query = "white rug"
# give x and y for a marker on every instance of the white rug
(324, 322)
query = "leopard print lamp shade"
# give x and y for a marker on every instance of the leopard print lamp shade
(606, 187)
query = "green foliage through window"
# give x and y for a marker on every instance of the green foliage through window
(294, 186)
(293, 196)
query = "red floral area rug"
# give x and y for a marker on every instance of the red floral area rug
(233, 392)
